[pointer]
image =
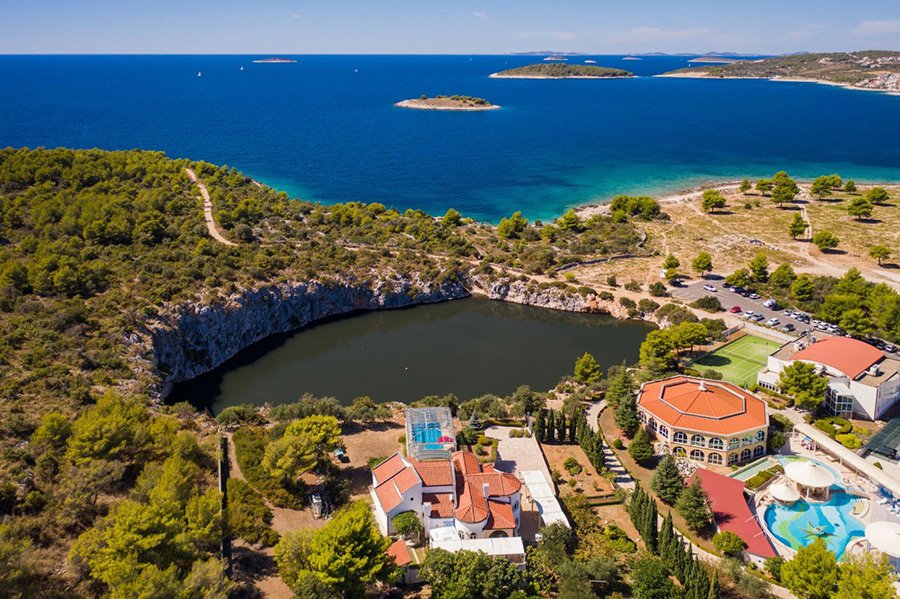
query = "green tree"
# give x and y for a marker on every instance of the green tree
(739, 278)
(693, 505)
(667, 480)
(860, 208)
(114, 429)
(783, 276)
(877, 195)
(452, 218)
(671, 262)
(713, 200)
(650, 580)
(407, 525)
(850, 186)
(540, 426)
(586, 369)
(641, 449)
(53, 433)
(865, 576)
(702, 263)
(812, 573)
(570, 221)
(785, 189)
(625, 408)
(248, 516)
(304, 444)
(688, 334)
(821, 187)
(799, 380)
(657, 353)
(797, 226)
(470, 575)
(803, 289)
(759, 268)
(825, 240)
(745, 185)
(880, 253)
(512, 227)
(729, 543)
(764, 186)
(856, 322)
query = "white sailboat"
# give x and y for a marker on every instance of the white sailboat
(199, 74)
(242, 68)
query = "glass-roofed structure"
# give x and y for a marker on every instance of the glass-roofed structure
(430, 434)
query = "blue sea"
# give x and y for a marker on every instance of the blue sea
(325, 128)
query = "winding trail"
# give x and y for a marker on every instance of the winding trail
(211, 226)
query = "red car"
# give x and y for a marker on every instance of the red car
(735, 310)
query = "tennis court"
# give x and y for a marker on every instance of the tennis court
(740, 360)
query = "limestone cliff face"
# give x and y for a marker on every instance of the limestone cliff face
(194, 338)
(552, 298)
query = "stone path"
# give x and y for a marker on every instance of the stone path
(623, 479)
(207, 210)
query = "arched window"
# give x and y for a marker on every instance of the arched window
(760, 435)
(759, 451)
(747, 440)
(716, 443)
(679, 451)
(663, 431)
(652, 425)
(643, 416)
(715, 458)
(698, 441)
(680, 437)
(732, 458)
(734, 443)
(696, 454)
(745, 455)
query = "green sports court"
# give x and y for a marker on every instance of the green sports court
(740, 360)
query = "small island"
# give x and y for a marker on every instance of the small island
(874, 70)
(562, 71)
(274, 60)
(424, 102)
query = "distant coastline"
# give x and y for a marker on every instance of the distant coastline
(274, 60)
(700, 74)
(459, 103)
(561, 71)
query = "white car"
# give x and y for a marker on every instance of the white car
(772, 322)
(748, 314)
(709, 288)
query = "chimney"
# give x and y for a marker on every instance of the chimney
(702, 386)
(485, 488)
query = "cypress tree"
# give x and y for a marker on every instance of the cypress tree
(666, 539)
(551, 425)
(573, 429)
(713, 587)
(651, 533)
(539, 426)
(561, 427)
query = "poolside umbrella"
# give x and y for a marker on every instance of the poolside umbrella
(445, 439)
(809, 474)
(885, 537)
(784, 492)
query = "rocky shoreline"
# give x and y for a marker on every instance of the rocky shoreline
(192, 339)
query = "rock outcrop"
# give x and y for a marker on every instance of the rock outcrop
(192, 339)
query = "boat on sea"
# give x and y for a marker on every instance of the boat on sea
(556, 58)
(274, 60)
(590, 62)
(631, 58)
(199, 74)
(242, 68)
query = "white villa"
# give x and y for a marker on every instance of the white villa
(863, 380)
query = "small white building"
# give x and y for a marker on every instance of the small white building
(863, 380)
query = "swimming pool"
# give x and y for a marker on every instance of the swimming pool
(428, 434)
(799, 524)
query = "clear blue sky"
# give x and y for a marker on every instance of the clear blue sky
(450, 26)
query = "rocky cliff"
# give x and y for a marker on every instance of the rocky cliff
(192, 339)
(549, 297)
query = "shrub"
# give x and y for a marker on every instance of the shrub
(633, 286)
(483, 440)
(606, 296)
(237, 415)
(729, 543)
(617, 444)
(658, 289)
(708, 303)
(572, 466)
(849, 440)
(374, 461)
(407, 524)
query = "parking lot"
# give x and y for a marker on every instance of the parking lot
(729, 299)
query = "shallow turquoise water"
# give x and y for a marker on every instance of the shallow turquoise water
(800, 524)
(325, 128)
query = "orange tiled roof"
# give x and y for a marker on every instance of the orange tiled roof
(500, 484)
(388, 468)
(441, 504)
(501, 516)
(434, 473)
(400, 552)
(702, 405)
(473, 506)
(850, 356)
(466, 463)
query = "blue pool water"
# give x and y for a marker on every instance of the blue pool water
(428, 434)
(325, 128)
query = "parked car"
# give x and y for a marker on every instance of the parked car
(890, 348)
(773, 322)
(735, 310)
(789, 313)
(709, 288)
(788, 328)
(801, 317)
(754, 296)
(758, 317)
(771, 304)
(748, 314)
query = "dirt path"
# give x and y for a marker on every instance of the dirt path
(207, 210)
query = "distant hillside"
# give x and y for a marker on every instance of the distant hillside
(558, 70)
(870, 69)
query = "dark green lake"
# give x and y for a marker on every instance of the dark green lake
(468, 347)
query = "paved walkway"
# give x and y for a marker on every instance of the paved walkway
(517, 454)
(623, 479)
(207, 210)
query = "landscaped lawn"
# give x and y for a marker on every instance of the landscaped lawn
(740, 360)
